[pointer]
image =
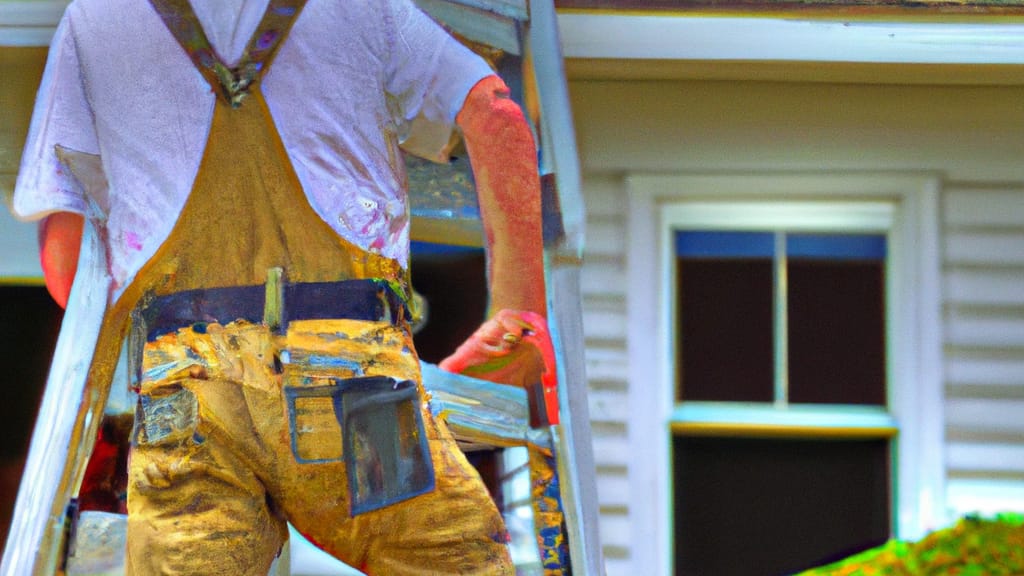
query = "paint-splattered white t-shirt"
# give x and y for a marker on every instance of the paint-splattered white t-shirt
(344, 89)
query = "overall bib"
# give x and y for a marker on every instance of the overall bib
(278, 379)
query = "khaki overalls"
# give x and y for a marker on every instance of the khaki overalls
(279, 380)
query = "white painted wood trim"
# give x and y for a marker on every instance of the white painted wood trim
(817, 416)
(917, 401)
(647, 37)
(649, 396)
(926, 476)
(29, 22)
(918, 351)
(798, 216)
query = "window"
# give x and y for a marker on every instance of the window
(795, 330)
(767, 320)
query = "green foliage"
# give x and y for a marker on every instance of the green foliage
(975, 546)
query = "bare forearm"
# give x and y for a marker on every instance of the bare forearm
(503, 156)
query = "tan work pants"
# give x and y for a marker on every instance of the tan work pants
(213, 474)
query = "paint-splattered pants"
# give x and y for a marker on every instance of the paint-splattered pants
(223, 455)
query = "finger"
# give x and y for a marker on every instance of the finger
(497, 338)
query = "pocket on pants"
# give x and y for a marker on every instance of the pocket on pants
(167, 419)
(375, 426)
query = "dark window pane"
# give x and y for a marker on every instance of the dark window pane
(763, 507)
(725, 346)
(836, 331)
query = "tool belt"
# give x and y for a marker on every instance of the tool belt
(365, 299)
(372, 423)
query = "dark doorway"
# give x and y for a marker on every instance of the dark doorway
(29, 324)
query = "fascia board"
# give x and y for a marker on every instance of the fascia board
(646, 37)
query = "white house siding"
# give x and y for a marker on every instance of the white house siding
(970, 137)
(983, 266)
(604, 323)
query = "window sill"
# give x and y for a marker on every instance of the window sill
(793, 421)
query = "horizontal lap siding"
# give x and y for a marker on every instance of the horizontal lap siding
(603, 282)
(983, 292)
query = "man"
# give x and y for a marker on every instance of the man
(256, 226)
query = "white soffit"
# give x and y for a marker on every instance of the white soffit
(645, 37)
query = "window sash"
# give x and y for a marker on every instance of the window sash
(782, 219)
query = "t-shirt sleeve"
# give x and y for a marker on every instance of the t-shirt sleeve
(62, 119)
(429, 75)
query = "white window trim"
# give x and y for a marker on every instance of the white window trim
(916, 347)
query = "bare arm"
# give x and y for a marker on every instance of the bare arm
(512, 346)
(60, 238)
(504, 160)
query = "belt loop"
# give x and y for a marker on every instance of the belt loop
(387, 311)
(273, 304)
(138, 332)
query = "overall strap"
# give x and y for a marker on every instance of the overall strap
(184, 25)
